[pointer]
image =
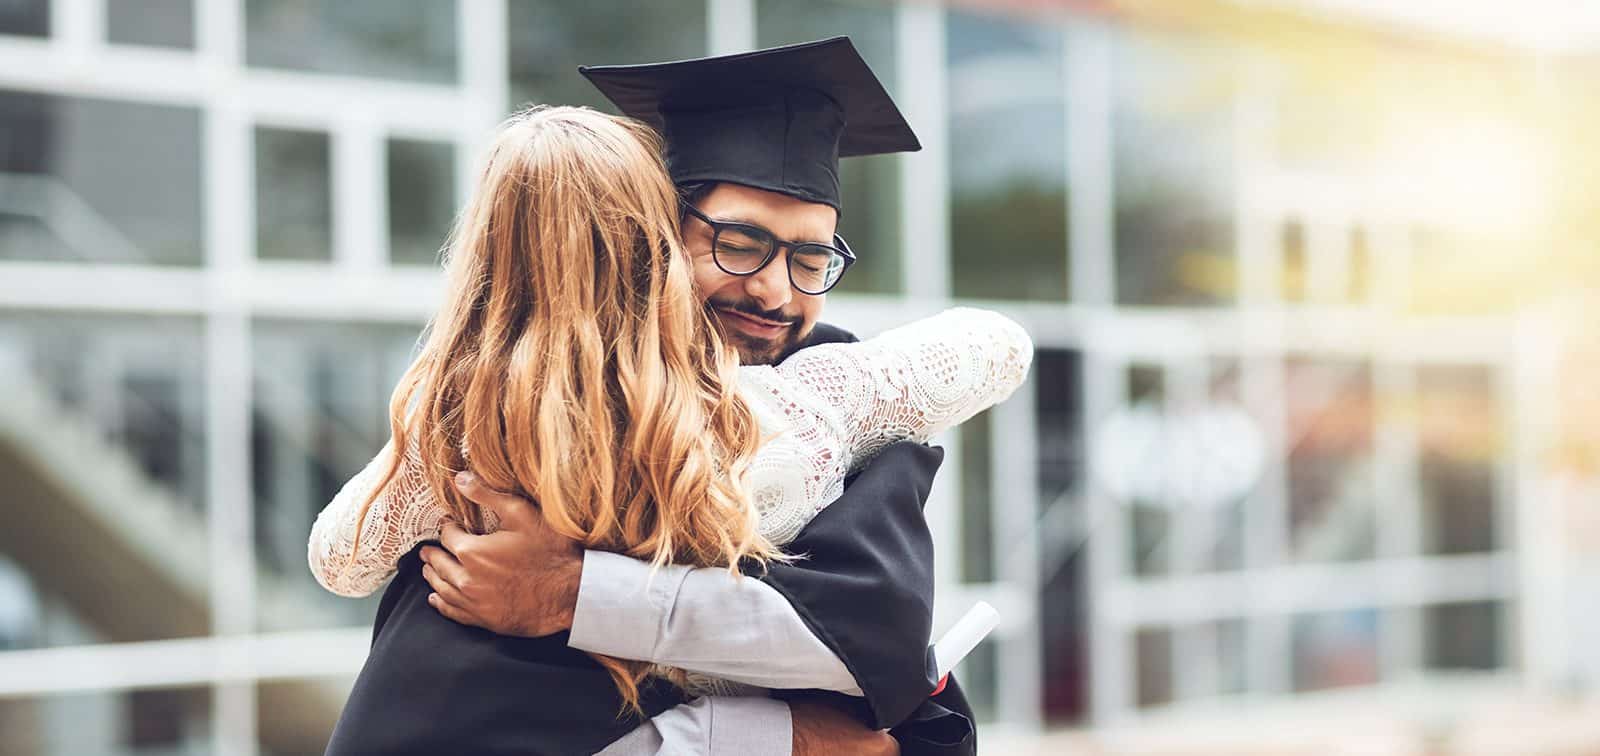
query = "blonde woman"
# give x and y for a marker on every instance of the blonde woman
(572, 363)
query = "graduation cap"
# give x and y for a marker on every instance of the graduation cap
(776, 119)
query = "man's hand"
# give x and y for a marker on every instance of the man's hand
(821, 730)
(519, 580)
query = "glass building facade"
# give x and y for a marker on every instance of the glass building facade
(1286, 432)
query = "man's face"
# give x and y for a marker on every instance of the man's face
(762, 315)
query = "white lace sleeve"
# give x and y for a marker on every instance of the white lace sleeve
(835, 406)
(404, 515)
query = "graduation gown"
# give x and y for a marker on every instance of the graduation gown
(432, 686)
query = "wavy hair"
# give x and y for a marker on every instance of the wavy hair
(573, 363)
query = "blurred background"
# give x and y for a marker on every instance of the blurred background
(1309, 460)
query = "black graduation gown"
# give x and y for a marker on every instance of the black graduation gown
(432, 686)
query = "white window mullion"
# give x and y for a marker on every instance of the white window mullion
(360, 210)
(1531, 508)
(1090, 179)
(1014, 508)
(730, 26)
(77, 28)
(483, 47)
(228, 171)
(1112, 676)
(925, 175)
(1398, 492)
(1266, 518)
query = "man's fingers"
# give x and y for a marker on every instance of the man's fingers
(450, 611)
(442, 586)
(514, 512)
(455, 538)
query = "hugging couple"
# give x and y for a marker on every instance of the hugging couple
(637, 499)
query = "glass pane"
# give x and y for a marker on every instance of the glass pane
(1330, 466)
(297, 716)
(1293, 262)
(1150, 526)
(1211, 660)
(1064, 616)
(394, 39)
(421, 199)
(1335, 649)
(1008, 165)
(1463, 636)
(102, 450)
(1463, 440)
(29, 18)
(1057, 377)
(979, 674)
(1233, 657)
(321, 407)
(1153, 650)
(1236, 456)
(158, 721)
(869, 186)
(75, 179)
(160, 23)
(549, 39)
(294, 187)
(1173, 170)
(977, 512)
(1360, 288)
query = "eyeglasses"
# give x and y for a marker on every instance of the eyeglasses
(740, 249)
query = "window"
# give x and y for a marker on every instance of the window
(320, 414)
(106, 401)
(294, 188)
(26, 18)
(1330, 470)
(1335, 649)
(977, 511)
(869, 186)
(1462, 443)
(549, 39)
(1008, 166)
(421, 199)
(75, 178)
(410, 40)
(1150, 523)
(1463, 635)
(1173, 169)
(157, 23)
(163, 720)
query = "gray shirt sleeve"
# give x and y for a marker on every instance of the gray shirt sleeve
(714, 726)
(703, 620)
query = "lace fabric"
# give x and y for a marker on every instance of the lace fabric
(827, 411)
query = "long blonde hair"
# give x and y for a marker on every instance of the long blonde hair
(574, 362)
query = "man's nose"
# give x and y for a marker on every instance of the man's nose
(770, 285)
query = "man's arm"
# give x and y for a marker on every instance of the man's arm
(526, 580)
(704, 620)
(865, 588)
(752, 726)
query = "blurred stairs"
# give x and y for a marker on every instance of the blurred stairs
(132, 560)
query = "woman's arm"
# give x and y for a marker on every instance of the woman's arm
(912, 382)
(404, 515)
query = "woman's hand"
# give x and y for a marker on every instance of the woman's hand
(520, 580)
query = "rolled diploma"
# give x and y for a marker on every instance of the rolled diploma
(964, 636)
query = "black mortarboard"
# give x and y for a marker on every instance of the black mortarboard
(776, 119)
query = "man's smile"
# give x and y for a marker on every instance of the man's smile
(751, 325)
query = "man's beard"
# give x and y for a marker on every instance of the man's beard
(753, 350)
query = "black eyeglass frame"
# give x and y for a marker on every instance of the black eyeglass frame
(839, 247)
